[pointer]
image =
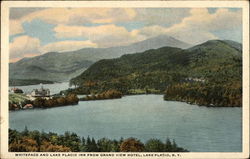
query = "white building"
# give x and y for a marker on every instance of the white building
(40, 92)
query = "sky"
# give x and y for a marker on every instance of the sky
(35, 31)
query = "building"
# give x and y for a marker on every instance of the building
(16, 90)
(28, 106)
(40, 92)
(190, 79)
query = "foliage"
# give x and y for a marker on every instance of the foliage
(110, 94)
(17, 101)
(206, 94)
(24, 144)
(107, 145)
(49, 147)
(70, 99)
(154, 145)
(35, 141)
(173, 147)
(131, 145)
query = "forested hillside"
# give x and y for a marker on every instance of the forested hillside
(213, 65)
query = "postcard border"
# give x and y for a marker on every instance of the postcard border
(134, 4)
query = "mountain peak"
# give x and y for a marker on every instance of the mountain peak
(219, 47)
(164, 36)
(164, 40)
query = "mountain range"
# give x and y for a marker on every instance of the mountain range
(206, 74)
(63, 66)
(201, 61)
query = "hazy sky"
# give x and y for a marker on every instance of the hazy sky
(34, 31)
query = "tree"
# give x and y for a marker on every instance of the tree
(25, 144)
(49, 103)
(61, 101)
(131, 145)
(38, 102)
(104, 145)
(83, 145)
(168, 145)
(72, 99)
(72, 141)
(37, 137)
(13, 136)
(93, 146)
(35, 141)
(154, 145)
(83, 141)
(88, 144)
(89, 85)
(49, 147)
(25, 131)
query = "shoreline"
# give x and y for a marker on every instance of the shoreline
(28, 82)
(23, 102)
(187, 102)
(113, 94)
(83, 100)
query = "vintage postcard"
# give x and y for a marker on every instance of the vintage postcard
(124, 79)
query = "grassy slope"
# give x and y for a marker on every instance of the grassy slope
(16, 98)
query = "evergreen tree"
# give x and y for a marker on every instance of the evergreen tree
(168, 146)
(93, 146)
(83, 141)
(154, 145)
(25, 131)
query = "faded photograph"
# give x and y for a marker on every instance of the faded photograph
(125, 79)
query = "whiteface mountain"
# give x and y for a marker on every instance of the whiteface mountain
(55, 66)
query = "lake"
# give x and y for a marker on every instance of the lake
(198, 129)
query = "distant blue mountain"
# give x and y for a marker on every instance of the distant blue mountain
(54, 66)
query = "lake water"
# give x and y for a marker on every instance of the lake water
(198, 129)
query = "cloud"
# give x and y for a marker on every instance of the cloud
(17, 13)
(191, 29)
(225, 19)
(101, 27)
(67, 46)
(181, 23)
(79, 16)
(161, 16)
(198, 27)
(24, 46)
(15, 27)
(221, 19)
(104, 35)
(71, 16)
(75, 16)
(187, 34)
